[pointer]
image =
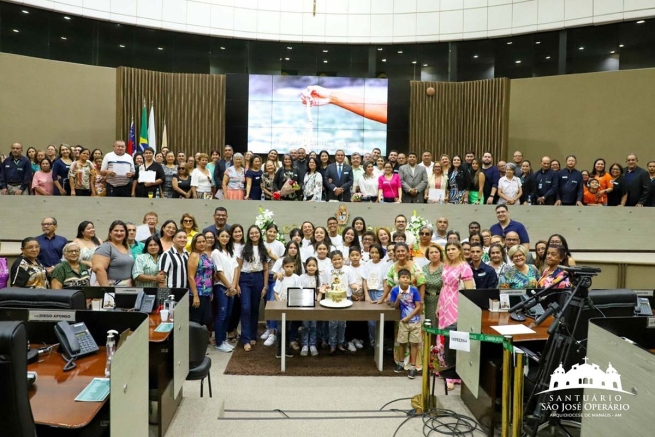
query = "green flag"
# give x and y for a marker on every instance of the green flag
(143, 130)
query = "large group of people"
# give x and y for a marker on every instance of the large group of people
(229, 268)
(318, 176)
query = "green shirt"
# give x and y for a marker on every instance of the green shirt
(69, 278)
(137, 249)
(144, 264)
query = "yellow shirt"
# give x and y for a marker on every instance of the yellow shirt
(189, 237)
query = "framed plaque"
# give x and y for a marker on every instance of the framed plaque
(301, 297)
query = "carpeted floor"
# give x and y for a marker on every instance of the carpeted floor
(261, 361)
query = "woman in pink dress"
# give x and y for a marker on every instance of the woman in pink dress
(389, 186)
(455, 271)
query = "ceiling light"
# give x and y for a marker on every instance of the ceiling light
(547, 57)
(475, 56)
(379, 49)
(121, 46)
(580, 48)
(222, 48)
(325, 51)
(425, 65)
(538, 42)
(25, 12)
(66, 17)
(384, 60)
(289, 48)
(286, 59)
(400, 52)
(413, 62)
(64, 38)
(509, 43)
(638, 22)
(325, 61)
(518, 62)
(621, 45)
(160, 48)
(15, 30)
(613, 51)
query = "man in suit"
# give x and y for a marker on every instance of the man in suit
(222, 165)
(414, 180)
(637, 182)
(339, 178)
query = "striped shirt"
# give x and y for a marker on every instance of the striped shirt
(145, 264)
(174, 264)
(117, 164)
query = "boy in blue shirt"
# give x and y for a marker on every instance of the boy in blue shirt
(408, 298)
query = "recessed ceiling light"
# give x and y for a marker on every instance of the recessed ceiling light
(64, 38)
(379, 49)
(638, 22)
(66, 17)
(286, 59)
(621, 45)
(518, 62)
(325, 61)
(509, 43)
(425, 65)
(25, 12)
(581, 48)
(613, 51)
(325, 51)
(160, 48)
(400, 52)
(538, 42)
(222, 48)
(413, 62)
(475, 56)
(121, 46)
(384, 60)
(15, 30)
(547, 57)
(289, 48)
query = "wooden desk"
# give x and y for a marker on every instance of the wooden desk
(359, 311)
(490, 319)
(52, 397)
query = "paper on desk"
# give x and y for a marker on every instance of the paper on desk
(147, 176)
(513, 329)
(164, 327)
(96, 391)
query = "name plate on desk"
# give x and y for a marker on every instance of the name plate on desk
(128, 290)
(51, 316)
(301, 297)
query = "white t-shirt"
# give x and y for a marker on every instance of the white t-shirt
(324, 266)
(202, 183)
(277, 267)
(225, 263)
(283, 285)
(119, 165)
(276, 248)
(336, 241)
(346, 276)
(357, 276)
(369, 186)
(251, 267)
(309, 281)
(375, 274)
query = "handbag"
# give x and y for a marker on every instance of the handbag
(4, 273)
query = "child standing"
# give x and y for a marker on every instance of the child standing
(324, 267)
(275, 250)
(289, 280)
(337, 328)
(310, 279)
(408, 298)
(374, 274)
(357, 330)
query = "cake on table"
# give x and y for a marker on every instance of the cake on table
(336, 296)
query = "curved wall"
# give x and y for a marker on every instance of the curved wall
(356, 21)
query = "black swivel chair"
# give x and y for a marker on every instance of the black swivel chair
(14, 297)
(199, 363)
(16, 414)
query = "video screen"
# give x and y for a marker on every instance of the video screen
(317, 113)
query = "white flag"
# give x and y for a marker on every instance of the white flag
(152, 136)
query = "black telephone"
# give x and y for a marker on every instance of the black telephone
(76, 340)
(536, 311)
(145, 303)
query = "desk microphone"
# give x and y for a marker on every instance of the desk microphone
(551, 309)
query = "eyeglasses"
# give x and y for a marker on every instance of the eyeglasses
(426, 234)
(72, 251)
(187, 221)
(47, 224)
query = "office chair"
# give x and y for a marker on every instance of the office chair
(16, 414)
(199, 363)
(15, 297)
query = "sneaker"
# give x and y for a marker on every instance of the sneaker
(270, 341)
(351, 347)
(313, 351)
(411, 373)
(224, 348)
(399, 368)
(288, 354)
(295, 346)
(229, 345)
(266, 334)
(304, 351)
(358, 344)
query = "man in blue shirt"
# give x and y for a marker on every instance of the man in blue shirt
(220, 221)
(52, 246)
(484, 275)
(545, 184)
(506, 225)
(16, 173)
(491, 177)
(569, 184)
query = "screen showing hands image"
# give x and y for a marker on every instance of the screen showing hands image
(317, 113)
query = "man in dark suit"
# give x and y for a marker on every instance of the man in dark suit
(339, 178)
(222, 165)
(637, 182)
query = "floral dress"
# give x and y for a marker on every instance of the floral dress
(267, 184)
(454, 193)
(204, 276)
(548, 278)
(513, 279)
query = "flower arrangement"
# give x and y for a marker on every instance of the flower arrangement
(415, 224)
(264, 219)
(356, 197)
(288, 189)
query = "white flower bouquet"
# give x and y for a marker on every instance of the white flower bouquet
(265, 218)
(415, 224)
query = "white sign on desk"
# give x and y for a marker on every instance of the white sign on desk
(460, 341)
